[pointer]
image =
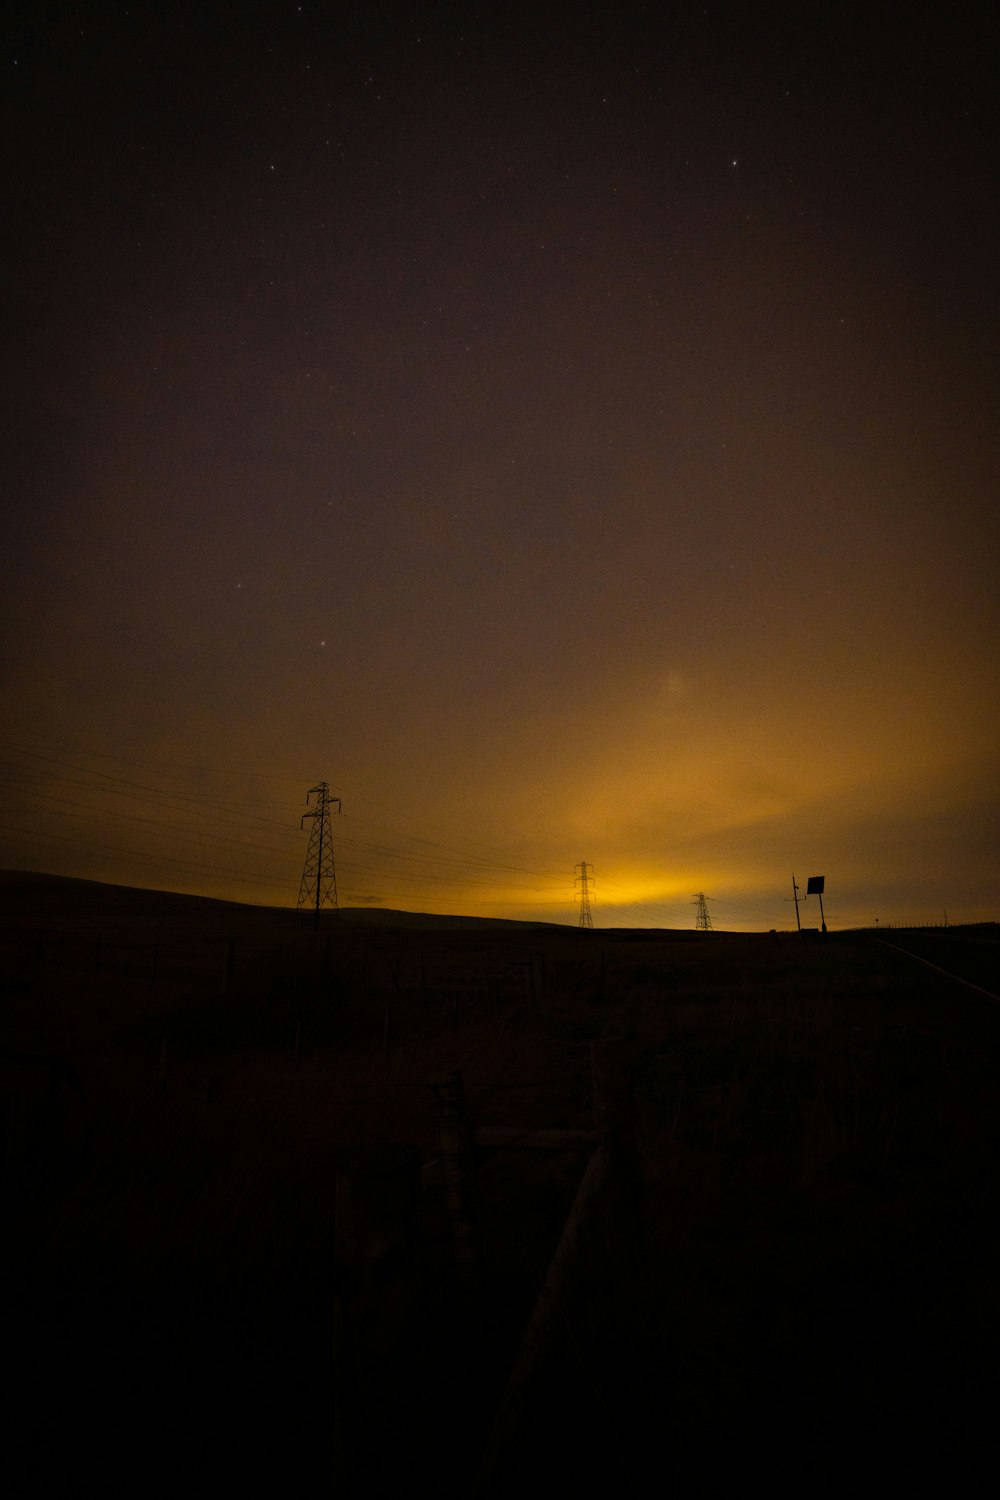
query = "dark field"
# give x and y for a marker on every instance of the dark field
(811, 1299)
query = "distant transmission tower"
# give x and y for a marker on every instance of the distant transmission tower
(583, 880)
(319, 880)
(702, 922)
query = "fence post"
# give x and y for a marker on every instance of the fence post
(596, 1245)
(458, 1157)
(228, 965)
(339, 1387)
(614, 1120)
(344, 1271)
(395, 967)
(538, 976)
(554, 1311)
(614, 1103)
(376, 1226)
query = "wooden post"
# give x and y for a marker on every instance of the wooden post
(614, 1105)
(423, 989)
(375, 1271)
(386, 1031)
(614, 1120)
(298, 1039)
(344, 1271)
(339, 1386)
(458, 1158)
(538, 976)
(395, 965)
(152, 968)
(163, 1060)
(571, 1263)
(596, 1244)
(14, 1144)
(228, 965)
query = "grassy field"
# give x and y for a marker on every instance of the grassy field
(814, 1290)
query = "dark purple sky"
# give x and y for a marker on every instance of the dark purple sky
(572, 434)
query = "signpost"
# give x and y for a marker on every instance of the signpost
(815, 888)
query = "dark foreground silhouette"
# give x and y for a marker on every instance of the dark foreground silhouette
(812, 1293)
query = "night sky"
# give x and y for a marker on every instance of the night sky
(571, 433)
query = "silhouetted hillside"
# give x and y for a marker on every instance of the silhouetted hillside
(32, 895)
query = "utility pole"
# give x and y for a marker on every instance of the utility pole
(583, 880)
(319, 881)
(795, 898)
(702, 921)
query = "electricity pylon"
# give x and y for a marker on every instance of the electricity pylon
(583, 880)
(702, 922)
(319, 879)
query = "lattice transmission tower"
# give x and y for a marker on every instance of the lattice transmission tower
(584, 881)
(702, 921)
(319, 879)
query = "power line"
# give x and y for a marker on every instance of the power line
(133, 854)
(40, 786)
(159, 764)
(40, 778)
(161, 796)
(195, 834)
(487, 861)
(113, 784)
